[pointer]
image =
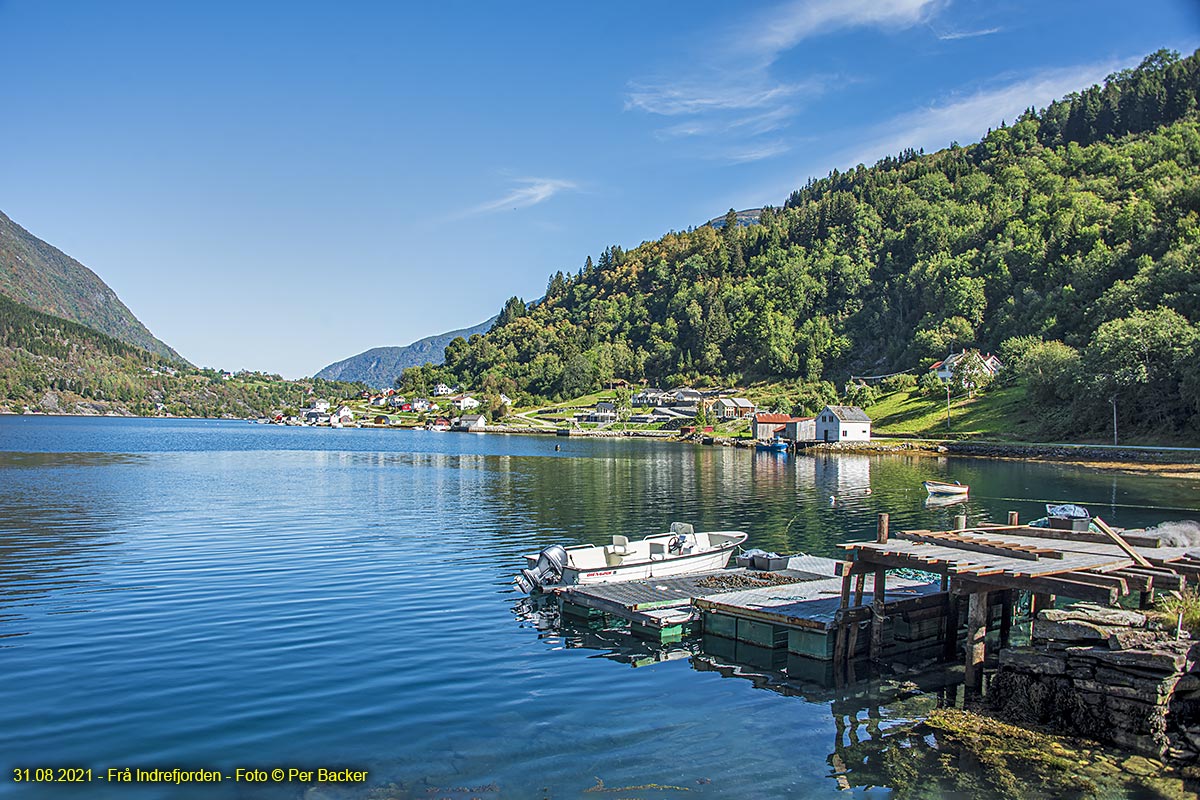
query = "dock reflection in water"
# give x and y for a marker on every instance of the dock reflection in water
(902, 727)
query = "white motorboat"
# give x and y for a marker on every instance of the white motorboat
(943, 488)
(679, 552)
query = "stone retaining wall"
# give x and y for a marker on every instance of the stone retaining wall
(1102, 673)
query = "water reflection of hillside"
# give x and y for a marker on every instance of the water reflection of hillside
(795, 502)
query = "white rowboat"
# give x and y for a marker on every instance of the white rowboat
(943, 488)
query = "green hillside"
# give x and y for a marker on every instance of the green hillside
(41, 276)
(54, 365)
(1067, 239)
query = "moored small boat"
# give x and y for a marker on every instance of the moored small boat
(678, 552)
(944, 488)
(775, 445)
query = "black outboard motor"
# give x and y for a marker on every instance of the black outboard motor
(547, 571)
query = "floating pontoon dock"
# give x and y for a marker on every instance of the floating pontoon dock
(835, 611)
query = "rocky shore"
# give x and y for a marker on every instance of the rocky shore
(1106, 674)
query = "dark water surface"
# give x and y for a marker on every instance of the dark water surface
(203, 594)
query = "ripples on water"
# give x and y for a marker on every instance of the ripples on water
(205, 594)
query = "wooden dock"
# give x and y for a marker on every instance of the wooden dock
(993, 561)
(662, 608)
(835, 611)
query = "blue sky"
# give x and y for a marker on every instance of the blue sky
(277, 186)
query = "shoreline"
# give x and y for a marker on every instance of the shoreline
(1177, 463)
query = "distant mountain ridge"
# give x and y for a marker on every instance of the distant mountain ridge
(380, 366)
(44, 278)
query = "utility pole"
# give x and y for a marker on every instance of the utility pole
(1113, 400)
(947, 405)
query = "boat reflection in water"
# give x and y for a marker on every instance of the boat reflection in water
(944, 500)
(611, 641)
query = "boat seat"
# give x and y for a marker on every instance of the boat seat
(620, 546)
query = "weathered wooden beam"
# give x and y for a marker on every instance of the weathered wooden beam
(1163, 579)
(1014, 519)
(1040, 602)
(1119, 542)
(1025, 531)
(1189, 570)
(846, 589)
(1047, 586)
(881, 528)
(950, 645)
(989, 546)
(1115, 581)
(856, 567)
(1141, 583)
(977, 612)
(860, 581)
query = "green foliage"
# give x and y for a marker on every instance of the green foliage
(1080, 215)
(1169, 608)
(1140, 362)
(898, 383)
(930, 385)
(53, 364)
(860, 394)
(1052, 372)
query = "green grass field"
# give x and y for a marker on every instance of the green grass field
(998, 414)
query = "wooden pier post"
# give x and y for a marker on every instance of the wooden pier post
(960, 522)
(839, 645)
(881, 537)
(977, 610)
(860, 581)
(1040, 601)
(1014, 518)
(952, 613)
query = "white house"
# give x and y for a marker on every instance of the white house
(469, 422)
(342, 415)
(396, 400)
(843, 424)
(647, 397)
(464, 402)
(944, 369)
(321, 405)
(505, 399)
(442, 390)
(733, 408)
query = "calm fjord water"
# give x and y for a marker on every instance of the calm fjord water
(203, 594)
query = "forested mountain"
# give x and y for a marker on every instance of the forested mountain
(55, 365)
(1076, 224)
(44, 278)
(381, 366)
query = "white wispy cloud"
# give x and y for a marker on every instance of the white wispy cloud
(783, 27)
(966, 119)
(675, 99)
(729, 95)
(754, 151)
(750, 125)
(950, 36)
(527, 192)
